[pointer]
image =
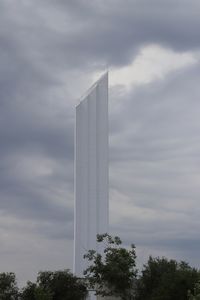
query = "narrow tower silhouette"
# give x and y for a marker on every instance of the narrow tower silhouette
(91, 172)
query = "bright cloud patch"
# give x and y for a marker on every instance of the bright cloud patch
(152, 63)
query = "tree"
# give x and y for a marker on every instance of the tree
(164, 279)
(8, 286)
(196, 294)
(34, 292)
(114, 272)
(56, 285)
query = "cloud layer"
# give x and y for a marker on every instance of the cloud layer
(50, 53)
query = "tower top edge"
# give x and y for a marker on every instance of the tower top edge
(93, 86)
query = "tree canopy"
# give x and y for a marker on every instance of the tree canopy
(113, 272)
(56, 285)
(164, 279)
(196, 292)
(8, 286)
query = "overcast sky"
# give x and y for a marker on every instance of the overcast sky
(50, 53)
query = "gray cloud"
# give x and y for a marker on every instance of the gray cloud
(155, 166)
(48, 53)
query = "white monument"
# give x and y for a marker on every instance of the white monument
(91, 171)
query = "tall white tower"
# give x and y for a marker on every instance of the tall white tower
(91, 171)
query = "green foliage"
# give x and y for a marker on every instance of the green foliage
(164, 279)
(113, 273)
(34, 292)
(28, 293)
(196, 295)
(60, 285)
(8, 286)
